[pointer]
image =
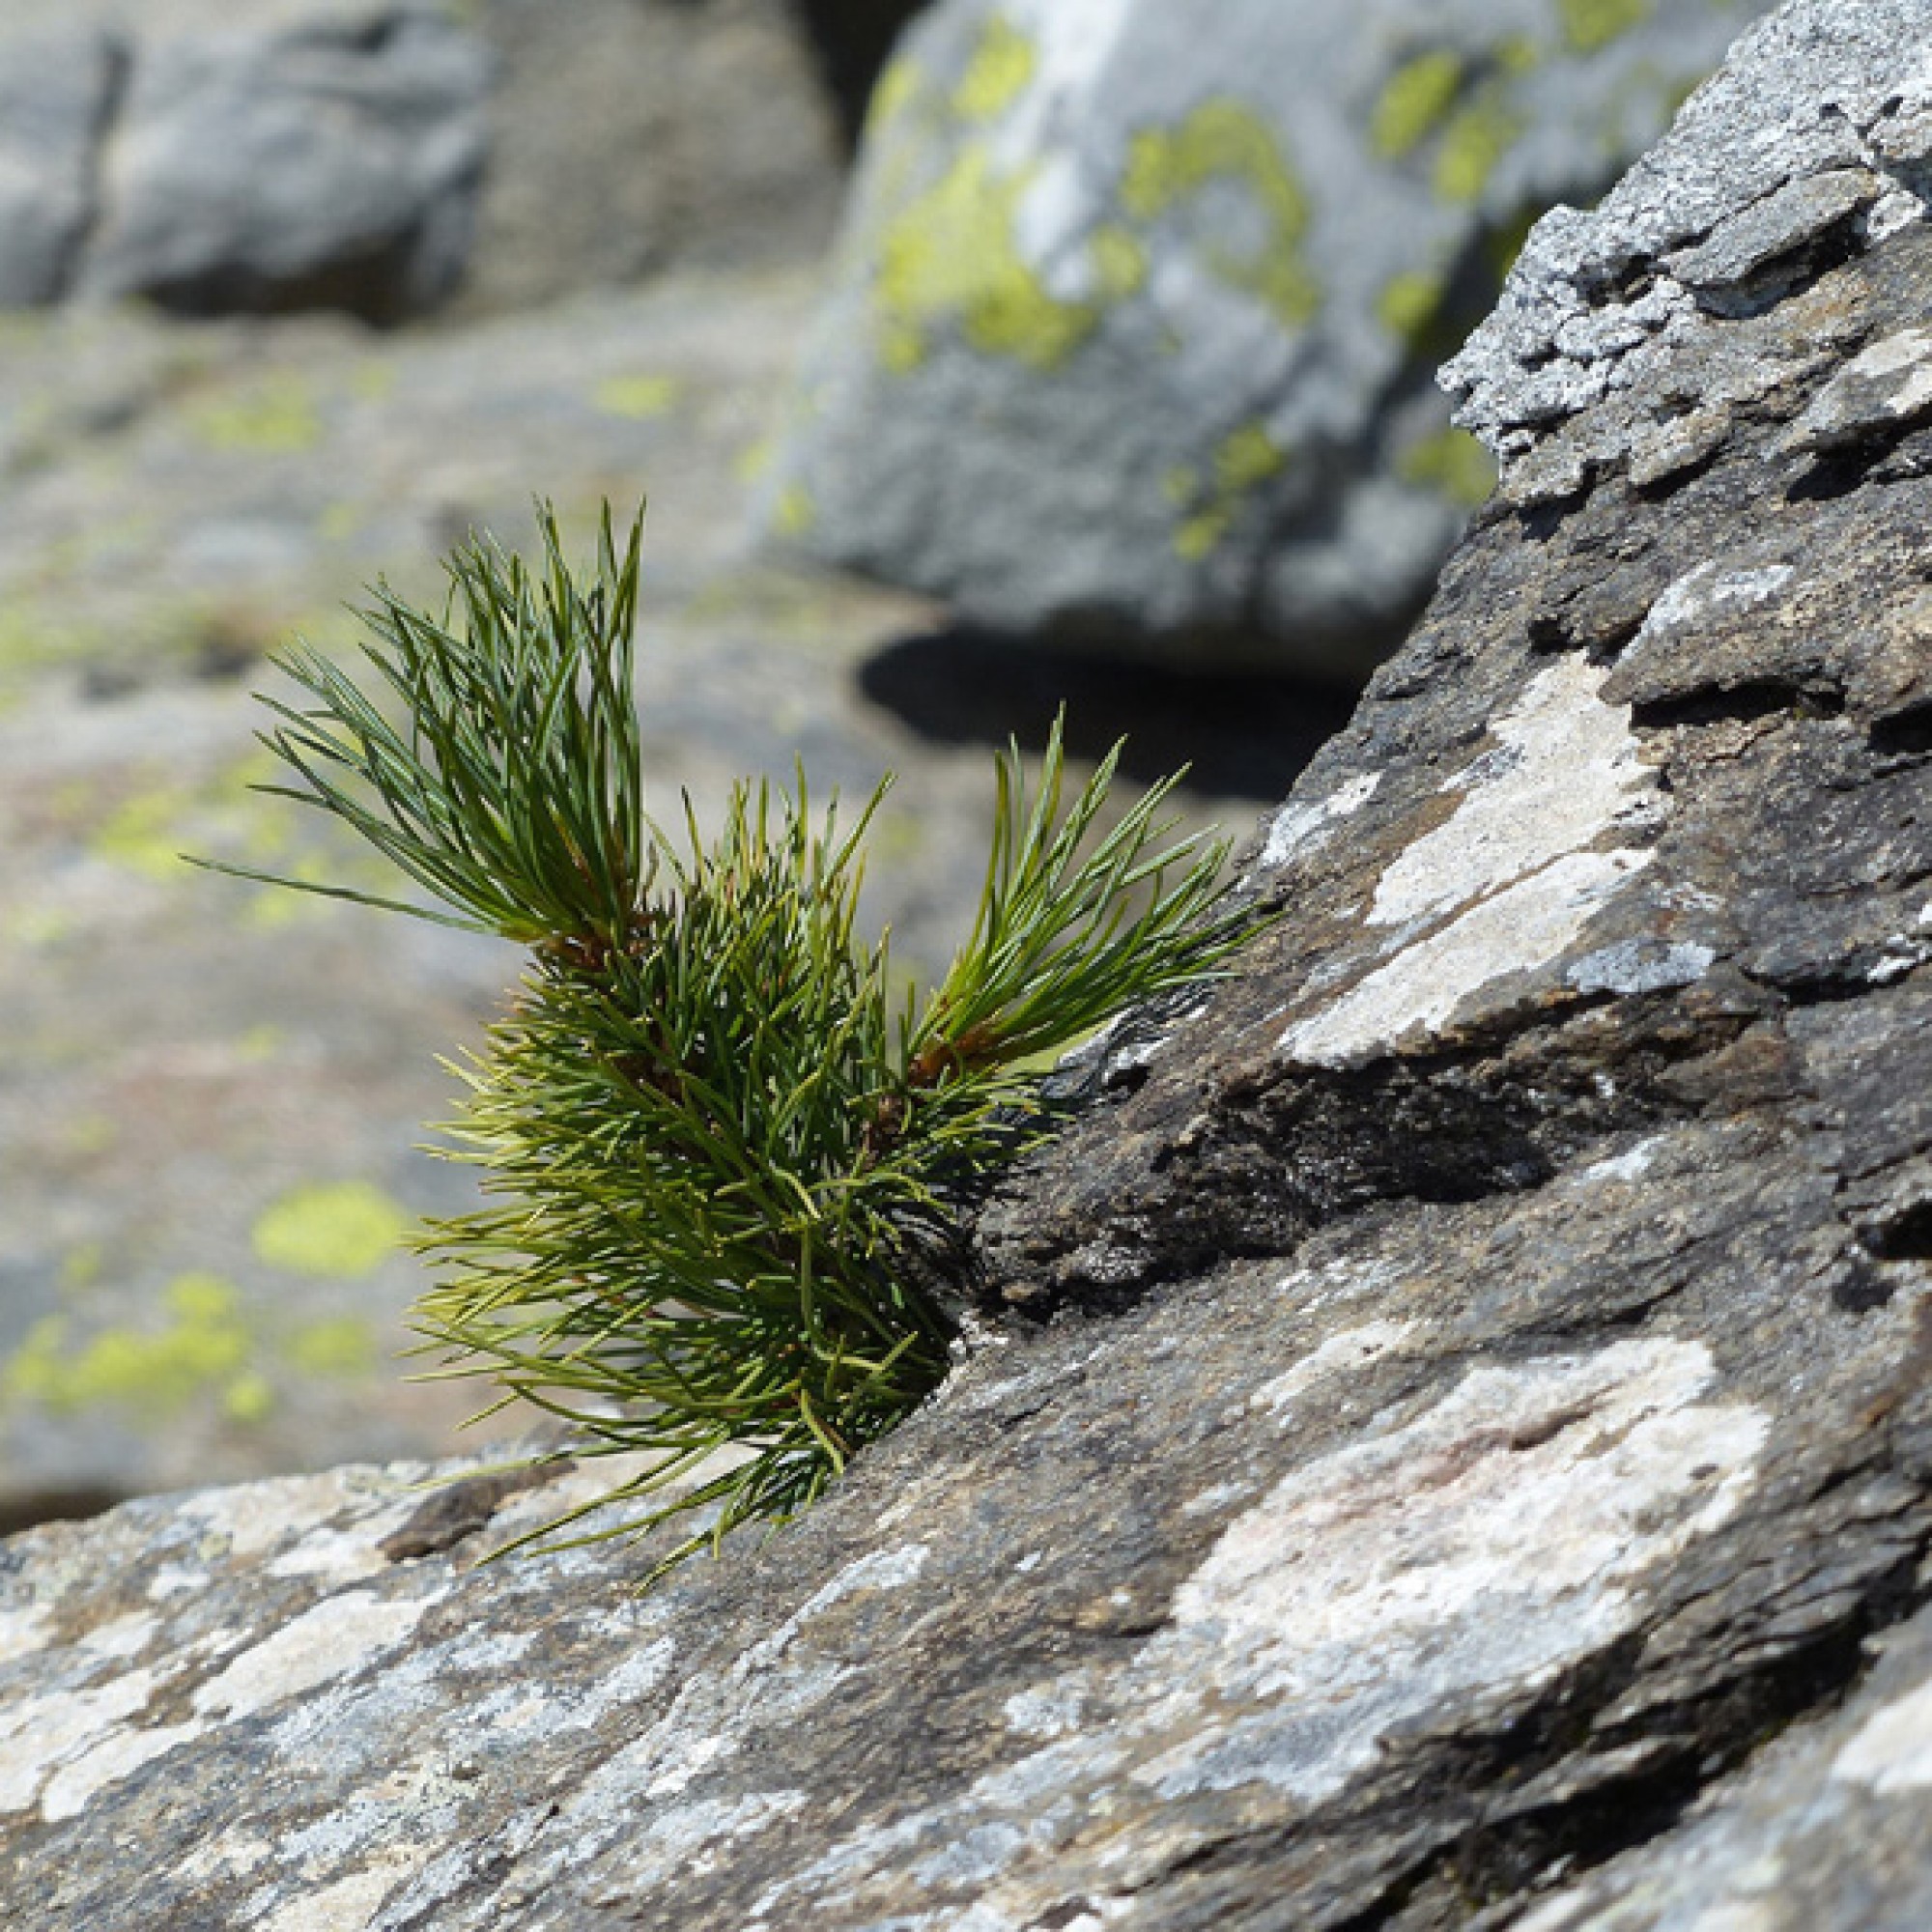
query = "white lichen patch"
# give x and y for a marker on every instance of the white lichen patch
(121, 1751)
(1710, 591)
(1564, 771)
(40, 1734)
(250, 1518)
(122, 1637)
(1499, 1535)
(347, 1904)
(24, 1629)
(1302, 825)
(1347, 1353)
(1535, 848)
(328, 1640)
(1526, 925)
(1891, 1751)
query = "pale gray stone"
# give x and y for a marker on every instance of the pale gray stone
(334, 163)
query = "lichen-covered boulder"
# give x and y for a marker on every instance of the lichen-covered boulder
(1138, 300)
(1479, 1471)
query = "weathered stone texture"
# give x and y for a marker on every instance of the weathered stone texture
(1479, 1468)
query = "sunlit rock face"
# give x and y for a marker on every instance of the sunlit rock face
(1454, 1445)
(1139, 302)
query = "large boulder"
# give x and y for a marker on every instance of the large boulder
(1479, 1468)
(54, 92)
(1138, 300)
(332, 163)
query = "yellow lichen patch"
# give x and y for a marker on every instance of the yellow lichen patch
(150, 1373)
(1453, 462)
(1414, 102)
(796, 512)
(997, 75)
(374, 380)
(248, 1398)
(894, 94)
(1226, 141)
(277, 417)
(1518, 55)
(1119, 262)
(1200, 536)
(345, 1347)
(341, 1229)
(1408, 303)
(637, 398)
(340, 522)
(142, 835)
(1475, 140)
(1590, 24)
(952, 257)
(1247, 458)
(81, 1267)
(259, 1044)
(1243, 461)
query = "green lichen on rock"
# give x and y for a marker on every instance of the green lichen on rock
(637, 398)
(1119, 262)
(1452, 463)
(337, 1230)
(1224, 140)
(1409, 304)
(997, 75)
(343, 1346)
(1414, 102)
(147, 1374)
(902, 79)
(1478, 136)
(1591, 24)
(142, 834)
(952, 257)
(1243, 460)
(277, 417)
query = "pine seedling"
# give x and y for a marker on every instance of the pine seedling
(724, 1155)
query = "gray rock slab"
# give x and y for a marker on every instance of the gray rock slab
(1138, 303)
(332, 165)
(1452, 1444)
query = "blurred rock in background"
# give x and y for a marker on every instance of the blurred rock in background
(1135, 317)
(302, 292)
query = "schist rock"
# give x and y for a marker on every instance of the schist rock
(1456, 1445)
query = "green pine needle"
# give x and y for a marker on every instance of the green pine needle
(727, 1160)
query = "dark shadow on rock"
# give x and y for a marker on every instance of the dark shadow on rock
(1246, 734)
(34, 1507)
(854, 39)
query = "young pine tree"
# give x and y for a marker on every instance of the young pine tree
(722, 1146)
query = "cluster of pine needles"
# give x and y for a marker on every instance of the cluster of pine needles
(724, 1144)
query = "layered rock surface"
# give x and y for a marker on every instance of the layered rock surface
(1479, 1472)
(1138, 302)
